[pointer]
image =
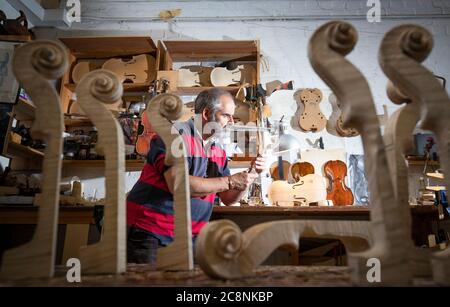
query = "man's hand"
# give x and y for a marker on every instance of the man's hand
(241, 181)
(260, 164)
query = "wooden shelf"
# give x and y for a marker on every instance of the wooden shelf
(197, 89)
(109, 47)
(76, 122)
(130, 165)
(15, 38)
(422, 162)
(18, 150)
(207, 50)
(24, 110)
(127, 87)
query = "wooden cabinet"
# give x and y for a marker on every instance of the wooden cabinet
(173, 53)
(97, 50)
(22, 157)
(168, 54)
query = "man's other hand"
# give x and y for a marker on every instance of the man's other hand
(241, 181)
(260, 162)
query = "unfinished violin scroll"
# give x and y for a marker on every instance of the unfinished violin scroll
(95, 91)
(163, 109)
(34, 65)
(224, 252)
(391, 238)
(402, 50)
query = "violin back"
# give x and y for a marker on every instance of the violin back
(143, 140)
(221, 76)
(204, 73)
(81, 69)
(335, 124)
(309, 189)
(274, 173)
(311, 118)
(140, 69)
(338, 192)
(187, 78)
(301, 169)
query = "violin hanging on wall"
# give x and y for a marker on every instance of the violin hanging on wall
(311, 119)
(335, 123)
(338, 192)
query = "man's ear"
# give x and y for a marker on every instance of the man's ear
(205, 114)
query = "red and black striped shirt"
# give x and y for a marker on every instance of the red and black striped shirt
(150, 204)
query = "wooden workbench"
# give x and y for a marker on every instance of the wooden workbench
(77, 223)
(422, 216)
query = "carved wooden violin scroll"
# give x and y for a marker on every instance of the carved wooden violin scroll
(401, 53)
(398, 138)
(326, 51)
(95, 91)
(163, 109)
(312, 118)
(34, 65)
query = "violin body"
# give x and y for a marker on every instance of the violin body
(140, 69)
(338, 192)
(144, 139)
(301, 169)
(311, 118)
(221, 76)
(274, 173)
(204, 73)
(80, 69)
(187, 78)
(335, 123)
(309, 189)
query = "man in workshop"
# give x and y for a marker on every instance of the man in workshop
(150, 202)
